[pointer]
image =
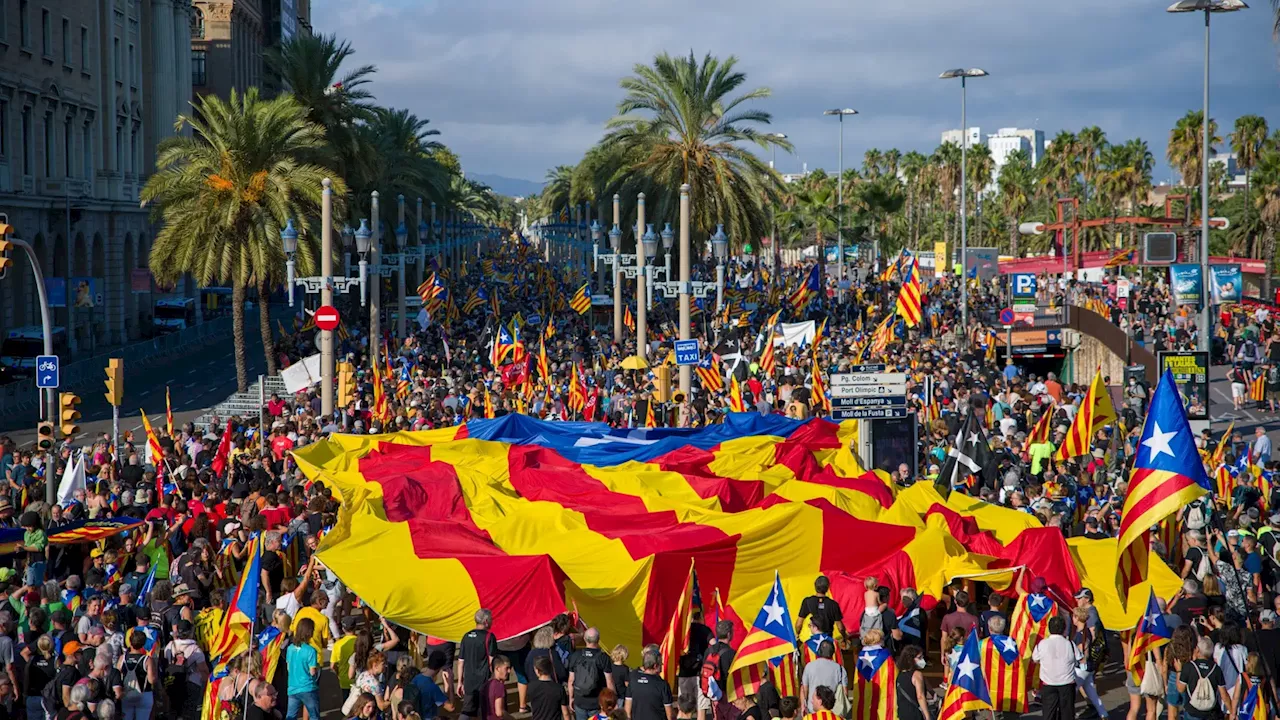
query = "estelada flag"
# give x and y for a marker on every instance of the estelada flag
(1006, 673)
(157, 452)
(1030, 624)
(871, 692)
(811, 286)
(910, 296)
(581, 301)
(1152, 632)
(1095, 412)
(968, 690)
(771, 635)
(1041, 432)
(709, 374)
(1167, 475)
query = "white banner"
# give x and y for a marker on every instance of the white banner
(797, 334)
(301, 375)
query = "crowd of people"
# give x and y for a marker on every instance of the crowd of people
(123, 626)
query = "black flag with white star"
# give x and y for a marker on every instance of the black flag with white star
(969, 461)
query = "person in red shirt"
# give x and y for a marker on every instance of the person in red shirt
(280, 445)
(275, 406)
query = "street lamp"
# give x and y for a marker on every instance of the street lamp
(822, 252)
(1208, 7)
(773, 228)
(720, 249)
(964, 75)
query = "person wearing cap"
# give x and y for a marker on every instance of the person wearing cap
(1084, 599)
(68, 674)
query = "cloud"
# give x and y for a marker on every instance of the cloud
(518, 87)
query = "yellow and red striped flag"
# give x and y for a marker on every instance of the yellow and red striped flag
(649, 420)
(736, 403)
(910, 296)
(168, 413)
(157, 452)
(676, 640)
(871, 692)
(380, 411)
(1041, 432)
(1095, 411)
(577, 391)
(581, 301)
(1006, 673)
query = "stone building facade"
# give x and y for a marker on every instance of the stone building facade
(87, 90)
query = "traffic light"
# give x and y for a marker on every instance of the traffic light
(346, 383)
(662, 383)
(69, 413)
(44, 436)
(115, 382)
(6, 247)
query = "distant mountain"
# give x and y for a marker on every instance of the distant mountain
(514, 187)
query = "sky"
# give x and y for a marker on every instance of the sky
(516, 87)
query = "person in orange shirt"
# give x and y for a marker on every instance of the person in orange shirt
(1054, 388)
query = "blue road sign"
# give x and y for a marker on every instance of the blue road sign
(1006, 316)
(687, 352)
(47, 372)
(1024, 286)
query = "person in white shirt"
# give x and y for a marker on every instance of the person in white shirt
(1058, 658)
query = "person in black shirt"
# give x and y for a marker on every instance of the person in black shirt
(272, 566)
(475, 663)
(650, 696)
(824, 610)
(994, 601)
(588, 675)
(690, 668)
(263, 706)
(547, 698)
(767, 699)
(1189, 676)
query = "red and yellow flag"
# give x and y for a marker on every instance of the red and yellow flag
(736, 403)
(380, 411)
(1095, 411)
(157, 452)
(168, 413)
(676, 640)
(1006, 673)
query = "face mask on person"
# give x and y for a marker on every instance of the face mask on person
(921, 663)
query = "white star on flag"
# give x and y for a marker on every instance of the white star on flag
(774, 611)
(966, 668)
(1008, 645)
(1151, 619)
(1038, 600)
(1159, 442)
(865, 659)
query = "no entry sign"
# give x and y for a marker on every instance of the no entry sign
(327, 317)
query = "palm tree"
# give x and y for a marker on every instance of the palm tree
(681, 115)
(891, 160)
(224, 193)
(1061, 165)
(913, 166)
(1090, 142)
(397, 160)
(871, 160)
(556, 191)
(814, 209)
(310, 66)
(1015, 185)
(1267, 202)
(1186, 146)
(1246, 143)
(946, 166)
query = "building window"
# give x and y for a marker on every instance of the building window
(197, 68)
(48, 145)
(46, 34)
(24, 23)
(197, 24)
(67, 144)
(26, 141)
(119, 148)
(66, 42)
(84, 49)
(87, 149)
(115, 57)
(133, 71)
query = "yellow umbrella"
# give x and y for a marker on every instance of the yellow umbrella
(635, 362)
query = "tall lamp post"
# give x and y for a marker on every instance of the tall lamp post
(840, 113)
(720, 249)
(964, 75)
(375, 297)
(642, 262)
(773, 227)
(1208, 7)
(325, 283)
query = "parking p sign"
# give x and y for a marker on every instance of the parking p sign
(687, 352)
(1024, 286)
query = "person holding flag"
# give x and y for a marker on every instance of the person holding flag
(771, 637)
(968, 691)
(1030, 621)
(1167, 476)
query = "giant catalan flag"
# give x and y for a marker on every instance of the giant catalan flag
(1167, 474)
(531, 518)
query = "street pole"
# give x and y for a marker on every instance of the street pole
(617, 275)
(326, 298)
(422, 246)
(48, 398)
(438, 242)
(685, 378)
(400, 311)
(375, 296)
(642, 317)
(600, 285)
(964, 230)
(840, 218)
(1206, 317)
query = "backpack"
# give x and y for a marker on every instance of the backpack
(51, 696)
(843, 708)
(1202, 696)
(1098, 650)
(1204, 568)
(710, 673)
(1196, 517)
(132, 687)
(586, 676)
